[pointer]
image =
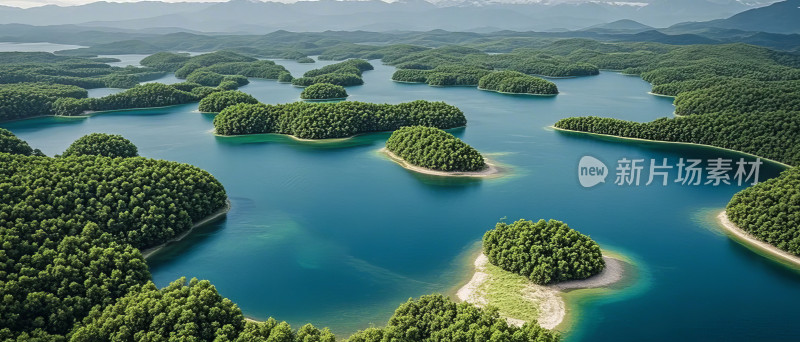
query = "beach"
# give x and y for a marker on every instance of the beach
(211, 218)
(748, 240)
(547, 299)
(491, 170)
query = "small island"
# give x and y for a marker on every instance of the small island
(526, 266)
(347, 73)
(432, 151)
(514, 82)
(323, 92)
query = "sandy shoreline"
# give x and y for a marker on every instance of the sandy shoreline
(670, 142)
(551, 307)
(491, 170)
(748, 240)
(219, 213)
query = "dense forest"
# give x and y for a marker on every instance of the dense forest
(71, 228)
(152, 314)
(770, 135)
(435, 149)
(10, 143)
(216, 102)
(22, 100)
(770, 211)
(527, 61)
(334, 120)
(517, 83)
(443, 75)
(42, 67)
(435, 318)
(546, 252)
(323, 91)
(743, 96)
(101, 144)
(347, 73)
(212, 69)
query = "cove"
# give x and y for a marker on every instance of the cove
(335, 235)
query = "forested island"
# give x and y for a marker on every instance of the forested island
(768, 212)
(512, 82)
(323, 91)
(433, 151)
(443, 75)
(211, 68)
(90, 214)
(334, 120)
(524, 268)
(345, 74)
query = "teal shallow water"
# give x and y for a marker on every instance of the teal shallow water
(335, 235)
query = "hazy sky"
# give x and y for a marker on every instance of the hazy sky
(33, 3)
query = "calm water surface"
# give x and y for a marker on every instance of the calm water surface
(336, 235)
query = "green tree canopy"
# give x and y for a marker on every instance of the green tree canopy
(216, 102)
(100, 144)
(545, 252)
(323, 91)
(435, 149)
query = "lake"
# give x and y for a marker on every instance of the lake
(337, 235)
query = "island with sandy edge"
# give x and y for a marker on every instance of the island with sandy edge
(490, 171)
(547, 300)
(747, 239)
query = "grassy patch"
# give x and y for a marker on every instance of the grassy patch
(504, 290)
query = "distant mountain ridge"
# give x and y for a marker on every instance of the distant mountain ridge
(246, 16)
(780, 17)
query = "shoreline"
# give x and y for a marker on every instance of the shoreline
(552, 309)
(324, 140)
(325, 100)
(751, 242)
(491, 169)
(208, 219)
(670, 142)
(507, 93)
(661, 95)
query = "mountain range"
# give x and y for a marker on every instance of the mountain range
(250, 16)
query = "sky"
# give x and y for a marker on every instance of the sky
(34, 3)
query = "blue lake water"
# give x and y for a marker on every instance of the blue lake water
(336, 235)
